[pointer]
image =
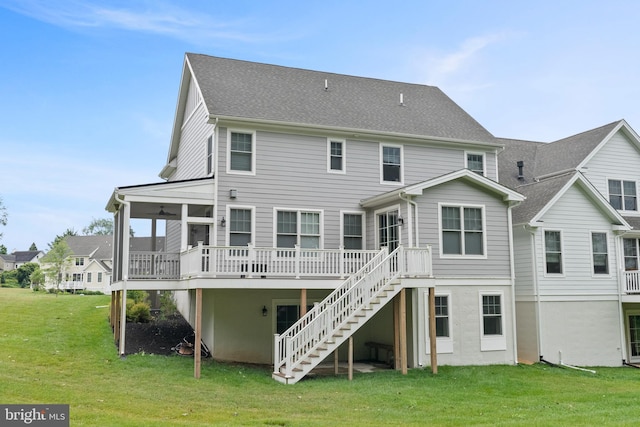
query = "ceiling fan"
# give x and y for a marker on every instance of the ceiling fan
(162, 212)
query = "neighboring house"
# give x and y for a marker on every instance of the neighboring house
(89, 267)
(286, 186)
(577, 247)
(17, 259)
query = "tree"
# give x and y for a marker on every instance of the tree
(33, 247)
(68, 232)
(99, 227)
(3, 249)
(3, 215)
(23, 273)
(37, 279)
(57, 260)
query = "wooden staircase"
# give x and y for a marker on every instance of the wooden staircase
(331, 322)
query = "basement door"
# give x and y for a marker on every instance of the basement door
(634, 337)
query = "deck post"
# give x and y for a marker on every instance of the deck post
(403, 330)
(336, 369)
(432, 331)
(123, 319)
(303, 302)
(350, 370)
(197, 355)
(396, 333)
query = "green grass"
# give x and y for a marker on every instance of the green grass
(60, 350)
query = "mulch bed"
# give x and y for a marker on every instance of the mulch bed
(157, 336)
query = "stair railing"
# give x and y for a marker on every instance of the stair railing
(320, 323)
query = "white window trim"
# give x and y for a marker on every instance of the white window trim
(344, 156)
(626, 212)
(492, 342)
(298, 223)
(544, 253)
(364, 223)
(227, 232)
(443, 344)
(484, 231)
(477, 153)
(600, 275)
(382, 181)
(253, 152)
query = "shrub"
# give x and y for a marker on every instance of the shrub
(138, 312)
(137, 296)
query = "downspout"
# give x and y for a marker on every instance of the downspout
(125, 270)
(513, 284)
(536, 290)
(413, 223)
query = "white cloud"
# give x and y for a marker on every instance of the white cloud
(155, 17)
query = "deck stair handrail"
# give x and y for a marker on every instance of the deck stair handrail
(323, 324)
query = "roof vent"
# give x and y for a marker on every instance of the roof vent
(520, 165)
(402, 99)
(326, 84)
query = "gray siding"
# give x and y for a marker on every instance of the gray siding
(192, 153)
(618, 159)
(577, 277)
(497, 262)
(291, 172)
(523, 262)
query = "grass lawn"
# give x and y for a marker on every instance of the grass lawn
(60, 350)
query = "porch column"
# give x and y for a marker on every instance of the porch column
(432, 331)
(197, 355)
(125, 274)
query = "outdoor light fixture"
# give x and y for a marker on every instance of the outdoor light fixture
(223, 222)
(233, 193)
(264, 310)
(400, 220)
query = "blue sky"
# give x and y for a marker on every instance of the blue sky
(88, 88)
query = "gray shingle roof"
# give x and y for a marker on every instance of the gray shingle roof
(537, 195)
(86, 245)
(250, 90)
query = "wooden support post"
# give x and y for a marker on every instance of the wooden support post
(396, 333)
(197, 355)
(303, 302)
(350, 358)
(432, 331)
(403, 330)
(116, 320)
(123, 320)
(112, 309)
(336, 362)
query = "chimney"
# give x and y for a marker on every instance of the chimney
(520, 164)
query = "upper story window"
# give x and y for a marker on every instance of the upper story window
(553, 252)
(352, 237)
(462, 230)
(391, 163)
(475, 162)
(622, 195)
(241, 153)
(240, 226)
(210, 155)
(298, 228)
(600, 253)
(630, 247)
(336, 155)
(79, 261)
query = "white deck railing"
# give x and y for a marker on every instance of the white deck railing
(632, 282)
(249, 261)
(154, 265)
(297, 342)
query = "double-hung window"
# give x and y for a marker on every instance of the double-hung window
(462, 230)
(352, 237)
(298, 228)
(79, 261)
(241, 154)
(391, 163)
(240, 226)
(630, 247)
(622, 195)
(600, 253)
(553, 251)
(99, 277)
(492, 322)
(336, 155)
(475, 162)
(89, 277)
(442, 315)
